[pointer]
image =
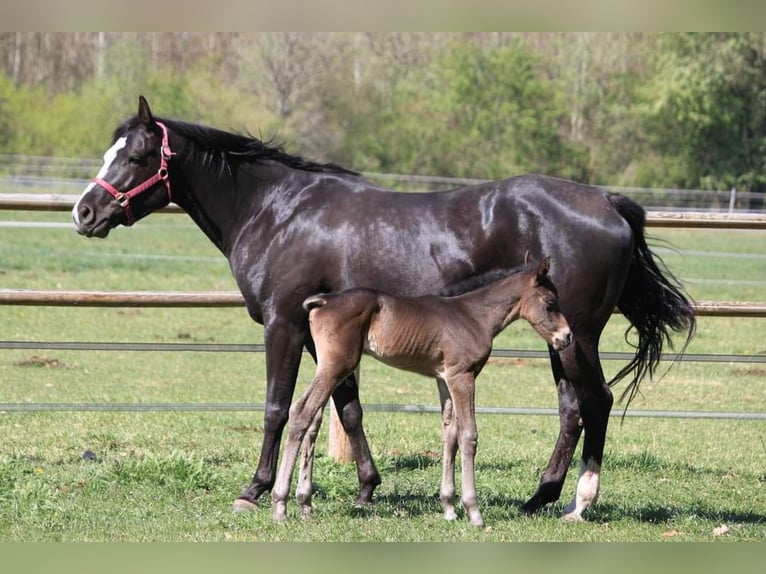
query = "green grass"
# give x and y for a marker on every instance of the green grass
(171, 476)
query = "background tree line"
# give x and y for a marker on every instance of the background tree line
(649, 110)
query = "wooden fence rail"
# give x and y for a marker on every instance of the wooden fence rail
(695, 219)
(234, 299)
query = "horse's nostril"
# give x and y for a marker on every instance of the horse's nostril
(85, 214)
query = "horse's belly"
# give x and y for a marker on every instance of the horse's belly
(414, 363)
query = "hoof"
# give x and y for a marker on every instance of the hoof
(242, 505)
(476, 519)
(449, 514)
(279, 514)
(572, 517)
(307, 511)
(530, 507)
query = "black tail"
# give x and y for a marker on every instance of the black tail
(653, 300)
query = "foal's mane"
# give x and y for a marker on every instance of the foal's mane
(224, 150)
(483, 279)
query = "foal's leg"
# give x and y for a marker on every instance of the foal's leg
(462, 391)
(303, 414)
(449, 449)
(304, 491)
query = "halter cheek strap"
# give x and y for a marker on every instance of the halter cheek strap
(160, 177)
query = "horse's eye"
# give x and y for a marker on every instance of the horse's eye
(137, 160)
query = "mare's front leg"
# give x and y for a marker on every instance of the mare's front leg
(284, 346)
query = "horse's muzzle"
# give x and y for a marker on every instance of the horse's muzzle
(561, 340)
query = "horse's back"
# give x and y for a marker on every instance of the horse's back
(589, 242)
(344, 233)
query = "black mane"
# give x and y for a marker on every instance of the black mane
(226, 149)
(482, 279)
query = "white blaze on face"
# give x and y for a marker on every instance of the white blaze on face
(109, 156)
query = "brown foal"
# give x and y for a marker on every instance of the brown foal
(449, 338)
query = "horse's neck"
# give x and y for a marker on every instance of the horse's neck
(204, 221)
(215, 204)
(496, 305)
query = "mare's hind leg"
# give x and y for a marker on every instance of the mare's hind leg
(595, 399)
(584, 403)
(304, 491)
(346, 400)
(570, 428)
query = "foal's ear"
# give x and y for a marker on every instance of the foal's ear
(544, 268)
(144, 113)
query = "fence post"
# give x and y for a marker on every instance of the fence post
(732, 199)
(339, 447)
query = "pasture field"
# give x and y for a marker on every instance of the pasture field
(161, 475)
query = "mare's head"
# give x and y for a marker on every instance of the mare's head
(539, 305)
(133, 181)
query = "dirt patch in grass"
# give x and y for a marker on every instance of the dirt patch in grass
(246, 429)
(750, 371)
(37, 361)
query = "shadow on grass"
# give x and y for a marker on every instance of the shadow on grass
(417, 461)
(659, 514)
(500, 507)
(505, 508)
(429, 459)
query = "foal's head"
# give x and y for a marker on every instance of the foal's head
(539, 305)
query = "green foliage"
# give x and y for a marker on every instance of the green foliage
(658, 110)
(473, 113)
(706, 114)
(507, 118)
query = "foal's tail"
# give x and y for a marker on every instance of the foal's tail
(653, 300)
(315, 301)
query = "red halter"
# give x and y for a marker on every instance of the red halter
(161, 176)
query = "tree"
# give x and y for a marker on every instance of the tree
(472, 112)
(706, 110)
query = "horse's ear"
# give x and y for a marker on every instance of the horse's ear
(544, 268)
(144, 113)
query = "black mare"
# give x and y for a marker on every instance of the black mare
(291, 228)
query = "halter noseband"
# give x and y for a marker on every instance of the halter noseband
(161, 176)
